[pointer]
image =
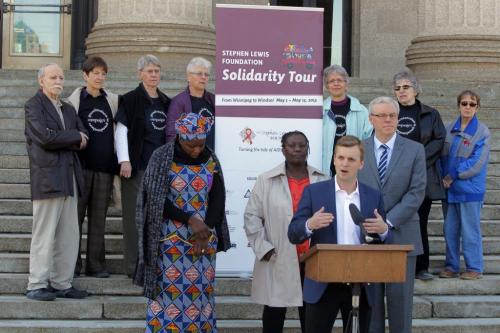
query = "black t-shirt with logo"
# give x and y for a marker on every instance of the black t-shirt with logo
(155, 120)
(338, 113)
(200, 106)
(96, 116)
(409, 121)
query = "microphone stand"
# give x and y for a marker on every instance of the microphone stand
(356, 292)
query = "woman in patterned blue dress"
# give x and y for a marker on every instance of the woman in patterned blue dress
(180, 215)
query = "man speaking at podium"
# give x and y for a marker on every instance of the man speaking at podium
(323, 216)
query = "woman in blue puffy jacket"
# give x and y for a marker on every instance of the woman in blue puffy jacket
(464, 162)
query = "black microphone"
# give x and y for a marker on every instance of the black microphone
(359, 219)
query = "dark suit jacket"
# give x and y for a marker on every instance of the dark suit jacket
(51, 148)
(322, 194)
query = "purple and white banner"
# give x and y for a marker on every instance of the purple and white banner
(269, 64)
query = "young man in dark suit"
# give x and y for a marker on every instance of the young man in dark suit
(323, 216)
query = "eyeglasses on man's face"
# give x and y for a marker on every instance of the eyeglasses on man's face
(391, 116)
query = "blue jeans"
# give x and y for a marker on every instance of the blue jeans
(462, 221)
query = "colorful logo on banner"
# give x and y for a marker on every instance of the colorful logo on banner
(294, 54)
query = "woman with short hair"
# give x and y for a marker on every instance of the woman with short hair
(421, 123)
(465, 162)
(140, 129)
(343, 114)
(195, 98)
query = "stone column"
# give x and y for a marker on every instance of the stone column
(457, 39)
(173, 30)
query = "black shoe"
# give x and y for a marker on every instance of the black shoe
(71, 292)
(42, 294)
(76, 275)
(100, 275)
(424, 276)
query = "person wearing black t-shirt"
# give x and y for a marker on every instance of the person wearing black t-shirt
(343, 114)
(140, 129)
(421, 123)
(195, 99)
(96, 108)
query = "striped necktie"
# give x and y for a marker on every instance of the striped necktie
(382, 163)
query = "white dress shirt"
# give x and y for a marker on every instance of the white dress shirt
(347, 231)
(378, 153)
(378, 149)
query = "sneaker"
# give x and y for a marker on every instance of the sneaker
(424, 276)
(447, 274)
(42, 294)
(100, 275)
(71, 292)
(471, 275)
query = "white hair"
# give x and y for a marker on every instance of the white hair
(41, 71)
(147, 60)
(198, 61)
(383, 100)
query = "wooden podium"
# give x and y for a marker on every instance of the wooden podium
(357, 263)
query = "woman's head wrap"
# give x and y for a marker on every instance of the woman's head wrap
(193, 126)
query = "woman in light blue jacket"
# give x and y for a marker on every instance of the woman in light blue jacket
(342, 114)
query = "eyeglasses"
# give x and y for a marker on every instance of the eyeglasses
(404, 87)
(471, 104)
(385, 116)
(200, 74)
(335, 81)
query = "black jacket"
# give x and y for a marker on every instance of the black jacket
(131, 108)
(432, 135)
(52, 149)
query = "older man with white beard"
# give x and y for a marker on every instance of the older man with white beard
(53, 135)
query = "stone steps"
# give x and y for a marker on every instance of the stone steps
(24, 207)
(22, 242)
(23, 224)
(18, 263)
(440, 325)
(16, 207)
(472, 325)
(13, 185)
(228, 307)
(13, 242)
(120, 285)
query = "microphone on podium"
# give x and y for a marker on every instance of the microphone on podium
(358, 219)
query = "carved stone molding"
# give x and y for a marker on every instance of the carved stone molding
(457, 39)
(173, 30)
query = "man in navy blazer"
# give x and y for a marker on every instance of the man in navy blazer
(323, 216)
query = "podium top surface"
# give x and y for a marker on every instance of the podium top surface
(362, 247)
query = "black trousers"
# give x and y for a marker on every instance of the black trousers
(273, 318)
(423, 214)
(94, 201)
(338, 296)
